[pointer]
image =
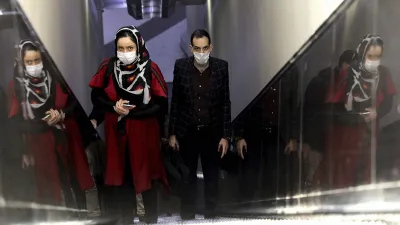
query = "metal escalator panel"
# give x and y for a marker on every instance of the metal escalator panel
(312, 149)
(283, 220)
(6, 13)
(193, 2)
(48, 171)
(142, 9)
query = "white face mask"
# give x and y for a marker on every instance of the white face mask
(35, 70)
(126, 57)
(201, 58)
(372, 66)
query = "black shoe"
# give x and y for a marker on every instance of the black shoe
(148, 219)
(188, 217)
(127, 220)
(152, 221)
(142, 219)
(209, 216)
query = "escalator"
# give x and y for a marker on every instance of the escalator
(272, 184)
(26, 175)
(293, 168)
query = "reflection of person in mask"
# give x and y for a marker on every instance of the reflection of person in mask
(360, 95)
(315, 115)
(130, 94)
(43, 111)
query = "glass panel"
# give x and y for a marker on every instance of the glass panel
(259, 170)
(268, 169)
(289, 131)
(336, 137)
(50, 153)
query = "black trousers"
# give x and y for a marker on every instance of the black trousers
(199, 141)
(250, 170)
(260, 167)
(123, 198)
(74, 197)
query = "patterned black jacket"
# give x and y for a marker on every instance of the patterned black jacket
(182, 105)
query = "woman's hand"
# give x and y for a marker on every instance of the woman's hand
(53, 117)
(94, 123)
(371, 115)
(121, 109)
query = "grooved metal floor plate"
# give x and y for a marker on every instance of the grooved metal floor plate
(298, 220)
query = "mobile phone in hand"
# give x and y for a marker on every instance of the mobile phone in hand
(44, 118)
(127, 105)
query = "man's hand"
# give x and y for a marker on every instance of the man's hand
(27, 161)
(94, 123)
(241, 146)
(223, 146)
(173, 143)
(291, 146)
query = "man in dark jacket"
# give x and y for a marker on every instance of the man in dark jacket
(200, 119)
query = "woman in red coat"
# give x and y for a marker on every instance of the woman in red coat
(131, 92)
(361, 95)
(42, 109)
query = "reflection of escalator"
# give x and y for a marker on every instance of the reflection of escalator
(13, 178)
(267, 126)
(21, 136)
(268, 130)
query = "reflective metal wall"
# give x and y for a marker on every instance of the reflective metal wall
(259, 37)
(313, 142)
(40, 162)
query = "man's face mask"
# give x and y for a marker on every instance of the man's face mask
(35, 70)
(372, 65)
(127, 57)
(201, 58)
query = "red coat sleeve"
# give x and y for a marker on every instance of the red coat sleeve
(14, 106)
(337, 88)
(98, 79)
(158, 84)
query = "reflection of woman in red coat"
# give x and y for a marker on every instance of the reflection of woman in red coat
(361, 95)
(44, 112)
(132, 93)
